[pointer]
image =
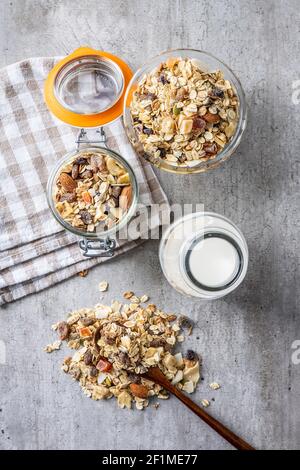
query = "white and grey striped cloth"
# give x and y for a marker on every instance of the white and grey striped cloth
(35, 252)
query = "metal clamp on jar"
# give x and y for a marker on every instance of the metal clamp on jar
(86, 90)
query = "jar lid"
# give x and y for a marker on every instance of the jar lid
(87, 88)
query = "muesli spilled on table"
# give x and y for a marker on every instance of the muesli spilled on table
(182, 113)
(115, 344)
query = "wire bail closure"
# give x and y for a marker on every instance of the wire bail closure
(82, 138)
(103, 248)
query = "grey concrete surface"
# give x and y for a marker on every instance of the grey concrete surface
(246, 338)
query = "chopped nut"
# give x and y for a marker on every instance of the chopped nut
(83, 273)
(186, 126)
(52, 347)
(205, 403)
(128, 294)
(103, 286)
(214, 386)
(139, 390)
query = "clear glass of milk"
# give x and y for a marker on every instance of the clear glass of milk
(204, 255)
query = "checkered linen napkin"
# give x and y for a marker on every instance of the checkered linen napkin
(35, 252)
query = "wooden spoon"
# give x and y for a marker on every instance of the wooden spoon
(155, 375)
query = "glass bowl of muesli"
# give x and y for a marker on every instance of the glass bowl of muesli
(93, 193)
(185, 111)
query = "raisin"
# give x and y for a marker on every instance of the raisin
(191, 355)
(81, 161)
(199, 123)
(216, 92)
(210, 149)
(148, 96)
(97, 335)
(86, 217)
(162, 153)
(147, 131)
(88, 358)
(69, 197)
(88, 321)
(134, 378)
(185, 322)
(157, 342)
(63, 330)
(75, 171)
(163, 79)
(93, 371)
(124, 358)
(116, 191)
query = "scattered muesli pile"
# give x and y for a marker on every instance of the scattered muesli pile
(92, 189)
(184, 114)
(116, 344)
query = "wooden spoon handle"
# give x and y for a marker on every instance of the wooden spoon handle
(236, 441)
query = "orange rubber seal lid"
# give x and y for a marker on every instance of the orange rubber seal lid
(85, 120)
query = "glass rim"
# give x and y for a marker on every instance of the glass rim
(98, 59)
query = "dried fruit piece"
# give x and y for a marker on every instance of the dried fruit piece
(186, 126)
(104, 365)
(85, 332)
(75, 171)
(191, 355)
(63, 330)
(217, 93)
(88, 321)
(211, 149)
(67, 182)
(86, 217)
(69, 197)
(199, 123)
(212, 118)
(123, 179)
(88, 358)
(167, 125)
(81, 161)
(139, 390)
(114, 167)
(116, 191)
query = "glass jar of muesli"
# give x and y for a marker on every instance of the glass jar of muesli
(92, 191)
(185, 111)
